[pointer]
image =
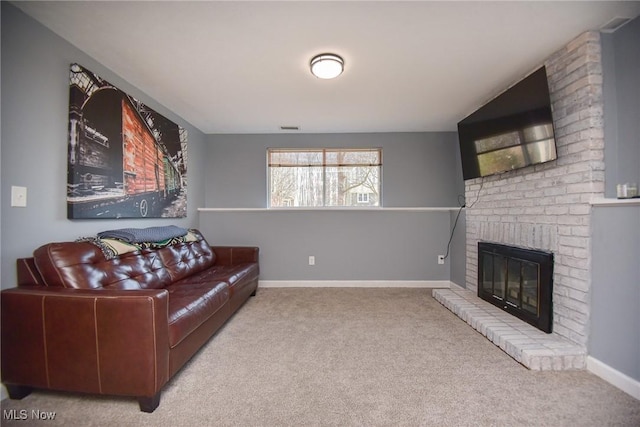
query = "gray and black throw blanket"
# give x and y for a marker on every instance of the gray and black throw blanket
(113, 243)
(141, 235)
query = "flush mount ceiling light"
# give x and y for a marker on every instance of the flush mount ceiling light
(327, 66)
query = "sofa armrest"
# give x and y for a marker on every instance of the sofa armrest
(27, 273)
(234, 255)
(95, 341)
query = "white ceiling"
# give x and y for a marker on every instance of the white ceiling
(242, 67)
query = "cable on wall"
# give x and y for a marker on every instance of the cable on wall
(462, 203)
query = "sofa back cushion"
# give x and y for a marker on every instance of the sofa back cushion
(187, 258)
(83, 265)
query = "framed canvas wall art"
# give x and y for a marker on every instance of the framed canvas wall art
(125, 160)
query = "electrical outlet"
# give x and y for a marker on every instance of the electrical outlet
(440, 259)
(312, 260)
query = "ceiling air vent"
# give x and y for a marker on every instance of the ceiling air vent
(289, 127)
(614, 24)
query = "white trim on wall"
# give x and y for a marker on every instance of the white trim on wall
(614, 377)
(430, 284)
(615, 202)
(335, 209)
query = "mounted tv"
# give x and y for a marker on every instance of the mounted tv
(513, 131)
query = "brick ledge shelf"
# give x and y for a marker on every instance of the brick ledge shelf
(529, 346)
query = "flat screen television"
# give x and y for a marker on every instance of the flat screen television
(512, 131)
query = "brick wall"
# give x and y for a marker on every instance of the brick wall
(547, 206)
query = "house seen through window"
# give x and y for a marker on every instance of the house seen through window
(325, 177)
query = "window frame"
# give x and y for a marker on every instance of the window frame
(325, 165)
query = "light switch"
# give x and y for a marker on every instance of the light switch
(18, 197)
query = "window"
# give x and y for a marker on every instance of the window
(324, 177)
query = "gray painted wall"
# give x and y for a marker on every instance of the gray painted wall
(35, 104)
(621, 79)
(457, 255)
(347, 245)
(458, 249)
(615, 313)
(419, 170)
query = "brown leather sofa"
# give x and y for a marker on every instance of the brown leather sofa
(81, 322)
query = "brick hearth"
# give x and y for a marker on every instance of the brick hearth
(531, 347)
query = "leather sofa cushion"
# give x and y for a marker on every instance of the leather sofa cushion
(82, 265)
(185, 259)
(191, 304)
(195, 298)
(236, 276)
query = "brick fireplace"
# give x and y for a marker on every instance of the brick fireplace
(546, 207)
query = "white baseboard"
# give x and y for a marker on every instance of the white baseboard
(431, 284)
(614, 377)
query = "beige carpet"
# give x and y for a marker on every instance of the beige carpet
(351, 357)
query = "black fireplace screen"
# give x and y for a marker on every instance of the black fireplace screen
(518, 280)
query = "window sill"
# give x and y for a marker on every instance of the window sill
(334, 209)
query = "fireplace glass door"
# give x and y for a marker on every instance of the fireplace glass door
(517, 280)
(530, 294)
